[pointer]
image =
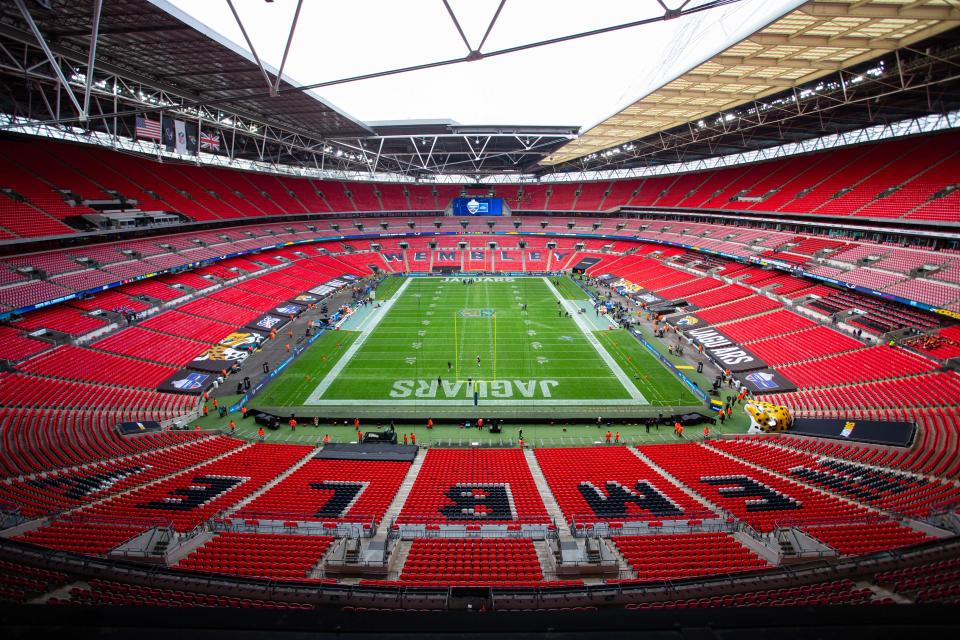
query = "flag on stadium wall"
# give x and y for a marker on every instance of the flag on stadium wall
(209, 141)
(193, 142)
(180, 142)
(147, 129)
(168, 130)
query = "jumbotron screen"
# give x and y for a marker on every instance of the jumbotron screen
(477, 206)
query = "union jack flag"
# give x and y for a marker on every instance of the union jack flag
(209, 141)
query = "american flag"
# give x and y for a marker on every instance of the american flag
(147, 129)
(209, 141)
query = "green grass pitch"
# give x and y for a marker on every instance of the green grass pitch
(436, 343)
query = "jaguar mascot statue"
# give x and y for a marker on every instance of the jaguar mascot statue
(767, 418)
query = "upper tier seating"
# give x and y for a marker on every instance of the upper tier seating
(889, 179)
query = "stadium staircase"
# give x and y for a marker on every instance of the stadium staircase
(677, 483)
(396, 505)
(549, 501)
(272, 483)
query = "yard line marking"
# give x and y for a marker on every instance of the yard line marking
(592, 339)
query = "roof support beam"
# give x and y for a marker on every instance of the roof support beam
(872, 10)
(286, 49)
(243, 30)
(92, 56)
(53, 61)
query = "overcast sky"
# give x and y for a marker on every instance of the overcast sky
(576, 83)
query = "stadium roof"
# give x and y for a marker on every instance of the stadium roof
(817, 39)
(169, 51)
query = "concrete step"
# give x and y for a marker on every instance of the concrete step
(401, 496)
(687, 490)
(280, 478)
(549, 501)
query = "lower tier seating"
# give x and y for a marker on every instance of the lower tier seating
(54, 491)
(856, 539)
(270, 556)
(759, 498)
(193, 496)
(330, 490)
(612, 484)
(669, 557)
(470, 562)
(474, 486)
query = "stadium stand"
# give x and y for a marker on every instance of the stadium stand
(669, 557)
(496, 482)
(273, 557)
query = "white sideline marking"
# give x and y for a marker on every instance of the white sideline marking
(592, 339)
(373, 319)
(501, 402)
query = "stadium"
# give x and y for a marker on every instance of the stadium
(692, 366)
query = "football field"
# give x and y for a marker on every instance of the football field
(500, 346)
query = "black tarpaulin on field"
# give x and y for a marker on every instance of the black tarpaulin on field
(369, 451)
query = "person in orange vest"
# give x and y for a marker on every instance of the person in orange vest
(360, 437)
(680, 430)
(243, 412)
(413, 438)
(677, 428)
(729, 412)
(429, 423)
(608, 436)
(706, 433)
(293, 423)
(404, 438)
(288, 347)
(261, 433)
(479, 424)
(326, 439)
(214, 403)
(206, 396)
(290, 333)
(356, 424)
(206, 411)
(616, 438)
(233, 427)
